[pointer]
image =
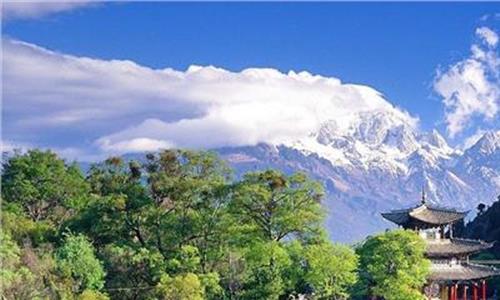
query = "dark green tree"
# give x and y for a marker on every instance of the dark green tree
(480, 208)
(153, 217)
(119, 201)
(173, 226)
(43, 185)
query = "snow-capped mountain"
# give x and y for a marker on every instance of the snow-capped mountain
(380, 162)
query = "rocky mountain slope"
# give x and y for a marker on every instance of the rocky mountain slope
(377, 163)
(486, 226)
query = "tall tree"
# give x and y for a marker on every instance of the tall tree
(153, 216)
(331, 270)
(190, 190)
(172, 227)
(120, 202)
(271, 209)
(14, 276)
(43, 185)
(76, 259)
(393, 266)
(273, 206)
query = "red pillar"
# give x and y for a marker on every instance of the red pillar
(456, 291)
(474, 291)
(484, 289)
(453, 292)
(465, 291)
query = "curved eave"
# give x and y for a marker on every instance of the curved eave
(437, 217)
(455, 247)
(462, 273)
(399, 218)
(424, 214)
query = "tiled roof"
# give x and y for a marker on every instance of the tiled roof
(444, 272)
(426, 214)
(450, 247)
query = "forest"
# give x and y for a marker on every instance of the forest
(179, 226)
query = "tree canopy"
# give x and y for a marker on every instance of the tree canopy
(43, 185)
(177, 225)
(393, 266)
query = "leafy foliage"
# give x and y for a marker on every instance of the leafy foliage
(12, 274)
(393, 266)
(76, 259)
(43, 185)
(331, 270)
(274, 206)
(176, 226)
(181, 287)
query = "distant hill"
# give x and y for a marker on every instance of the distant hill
(486, 226)
(378, 165)
(381, 165)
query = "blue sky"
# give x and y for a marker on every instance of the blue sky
(393, 48)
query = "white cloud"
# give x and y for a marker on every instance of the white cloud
(68, 153)
(470, 88)
(488, 36)
(120, 106)
(135, 145)
(28, 10)
(10, 146)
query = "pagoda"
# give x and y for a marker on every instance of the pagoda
(452, 275)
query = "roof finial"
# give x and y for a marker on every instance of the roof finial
(423, 195)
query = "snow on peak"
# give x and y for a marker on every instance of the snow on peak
(489, 143)
(435, 139)
(372, 127)
(377, 139)
(402, 138)
(327, 132)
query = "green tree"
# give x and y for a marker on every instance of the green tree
(190, 190)
(265, 264)
(92, 295)
(393, 266)
(181, 287)
(172, 227)
(15, 278)
(76, 259)
(162, 217)
(43, 185)
(132, 272)
(481, 208)
(331, 270)
(269, 211)
(120, 203)
(272, 206)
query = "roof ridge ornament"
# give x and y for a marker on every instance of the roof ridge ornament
(423, 196)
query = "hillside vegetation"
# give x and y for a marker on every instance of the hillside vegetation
(178, 226)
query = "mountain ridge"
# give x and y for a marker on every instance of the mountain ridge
(380, 163)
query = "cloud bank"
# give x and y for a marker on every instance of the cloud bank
(119, 106)
(28, 10)
(471, 87)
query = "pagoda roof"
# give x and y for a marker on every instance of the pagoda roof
(424, 213)
(465, 271)
(453, 247)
